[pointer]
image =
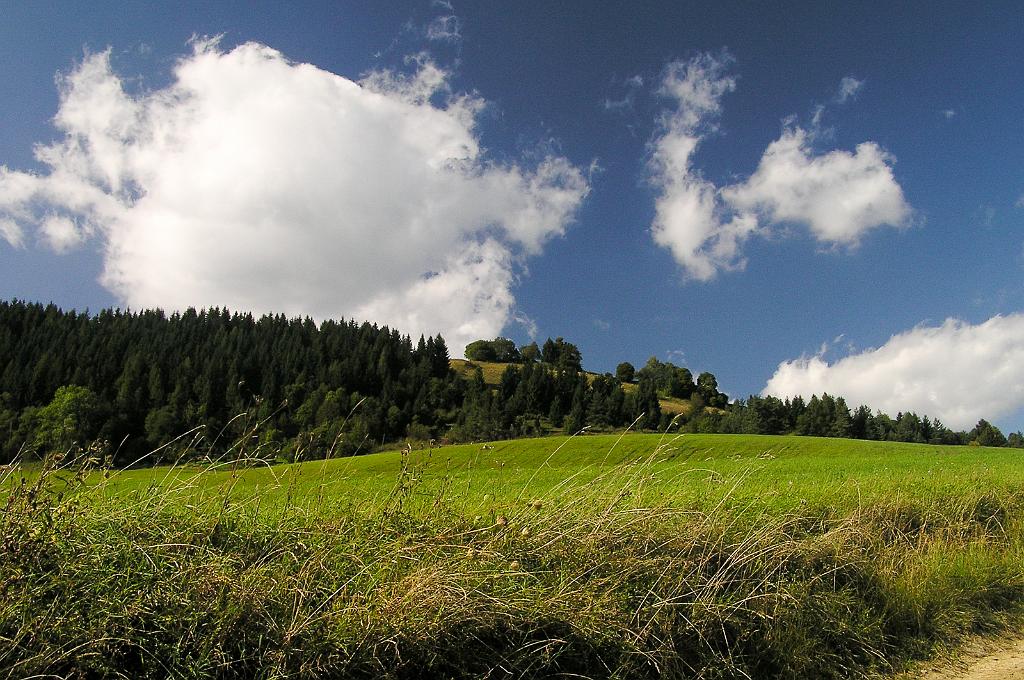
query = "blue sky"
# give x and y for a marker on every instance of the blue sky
(797, 198)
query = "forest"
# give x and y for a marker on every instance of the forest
(149, 385)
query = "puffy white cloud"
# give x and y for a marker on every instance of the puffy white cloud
(465, 297)
(60, 233)
(265, 185)
(957, 372)
(688, 218)
(839, 195)
(697, 86)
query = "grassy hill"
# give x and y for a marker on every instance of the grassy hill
(599, 556)
(491, 370)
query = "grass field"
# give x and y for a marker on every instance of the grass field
(600, 556)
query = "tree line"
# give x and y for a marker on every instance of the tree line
(710, 411)
(135, 382)
(828, 416)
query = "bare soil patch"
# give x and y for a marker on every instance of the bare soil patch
(981, 659)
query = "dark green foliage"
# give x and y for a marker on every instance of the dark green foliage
(646, 407)
(707, 385)
(481, 350)
(529, 353)
(501, 350)
(505, 350)
(577, 414)
(676, 381)
(562, 355)
(625, 372)
(828, 416)
(137, 380)
(986, 434)
(530, 393)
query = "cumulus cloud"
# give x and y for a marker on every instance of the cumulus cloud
(837, 194)
(957, 372)
(689, 219)
(261, 184)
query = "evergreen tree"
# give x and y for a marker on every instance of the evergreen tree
(647, 407)
(577, 413)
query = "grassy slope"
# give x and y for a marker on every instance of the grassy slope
(778, 471)
(645, 556)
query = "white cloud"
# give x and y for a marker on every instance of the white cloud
(465, 297)
(528, 324)
(697, 86)
(848, 87)
(446, 28)
(957, 372)
(264, 185)
(688, 218)
(839, 195)
(948, 114)
(61, 233)
(12, 233)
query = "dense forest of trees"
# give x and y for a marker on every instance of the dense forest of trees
(133, 383)
(139, 380)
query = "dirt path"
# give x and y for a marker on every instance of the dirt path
(982, 660)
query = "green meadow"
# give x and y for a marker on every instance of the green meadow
(606, 556)
(773, 475)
